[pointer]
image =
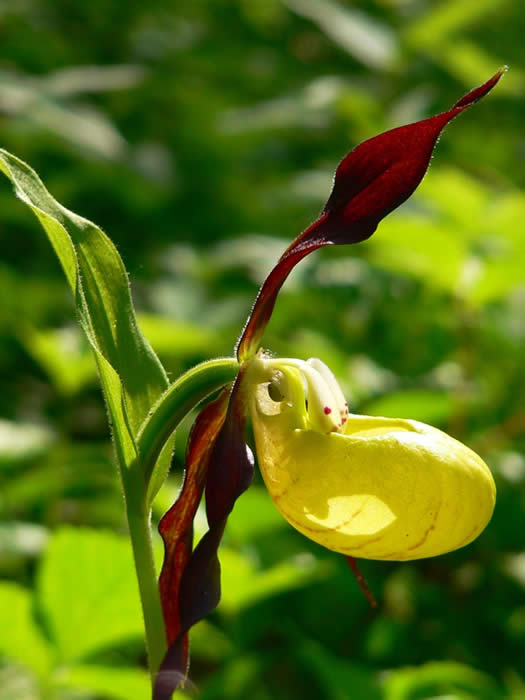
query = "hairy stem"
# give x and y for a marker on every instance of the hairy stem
(139, 522)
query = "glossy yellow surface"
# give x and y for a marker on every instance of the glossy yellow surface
(382, 488)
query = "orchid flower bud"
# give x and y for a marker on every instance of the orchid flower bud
(365, 486)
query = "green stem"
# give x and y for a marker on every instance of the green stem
(176, 402)
(139, 522)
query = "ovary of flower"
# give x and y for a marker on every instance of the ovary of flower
(370, 487)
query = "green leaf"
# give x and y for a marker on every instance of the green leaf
(417, 246)
(177, 339)
(111, 682)
(21, 640)
(64, 355)
(243, 584)
(431, 29)
(441, 679)
(209, 643)
(87, 592)
(459, 199)
(498, 267)
(469, 62)
(425, 405)
(496, 277)
(131, 374)
(117, 683)
(254, 514)
(339, 678)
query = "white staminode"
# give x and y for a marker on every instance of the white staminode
(327, 409)
(332, 382)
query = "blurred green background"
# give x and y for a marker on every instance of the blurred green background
(202, 136)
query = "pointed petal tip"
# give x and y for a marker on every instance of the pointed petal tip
(477, 93)
(499, 74)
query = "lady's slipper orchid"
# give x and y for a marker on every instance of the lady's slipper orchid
(377, 488)
(370, 487)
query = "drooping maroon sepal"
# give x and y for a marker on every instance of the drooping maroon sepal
(231, 467)
(176, 527)
(190, 581)
(371, 181)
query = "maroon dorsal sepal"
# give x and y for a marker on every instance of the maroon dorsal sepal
(371, 181)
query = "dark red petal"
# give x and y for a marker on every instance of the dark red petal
(228, 469)
(230, 472)
(231, 466)
(176, 527)
(373, 179)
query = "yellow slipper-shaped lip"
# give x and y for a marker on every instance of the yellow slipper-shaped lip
(379, 488)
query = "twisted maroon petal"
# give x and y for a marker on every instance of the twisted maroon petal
(373, 179)
(176, 527)
(190, 581)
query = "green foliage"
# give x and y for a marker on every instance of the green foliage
(440, 678)
(202, 137)
(130, 373)
(41, 630)
(22, 640)
(110, 682)
(82, 555)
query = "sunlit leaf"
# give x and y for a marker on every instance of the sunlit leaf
(131, 375)
(209, 643)
(243, 527)
(441, 679)
(457, 199)
(107, 681)
(422, 249)
(87, 592)
(425, 405)
(21, 639)
(468, 62)
(431, 28)
(495, 278)
(244, 584)
(179, 339)
(64, 354)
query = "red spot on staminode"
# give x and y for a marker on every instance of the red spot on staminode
(327, 410)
